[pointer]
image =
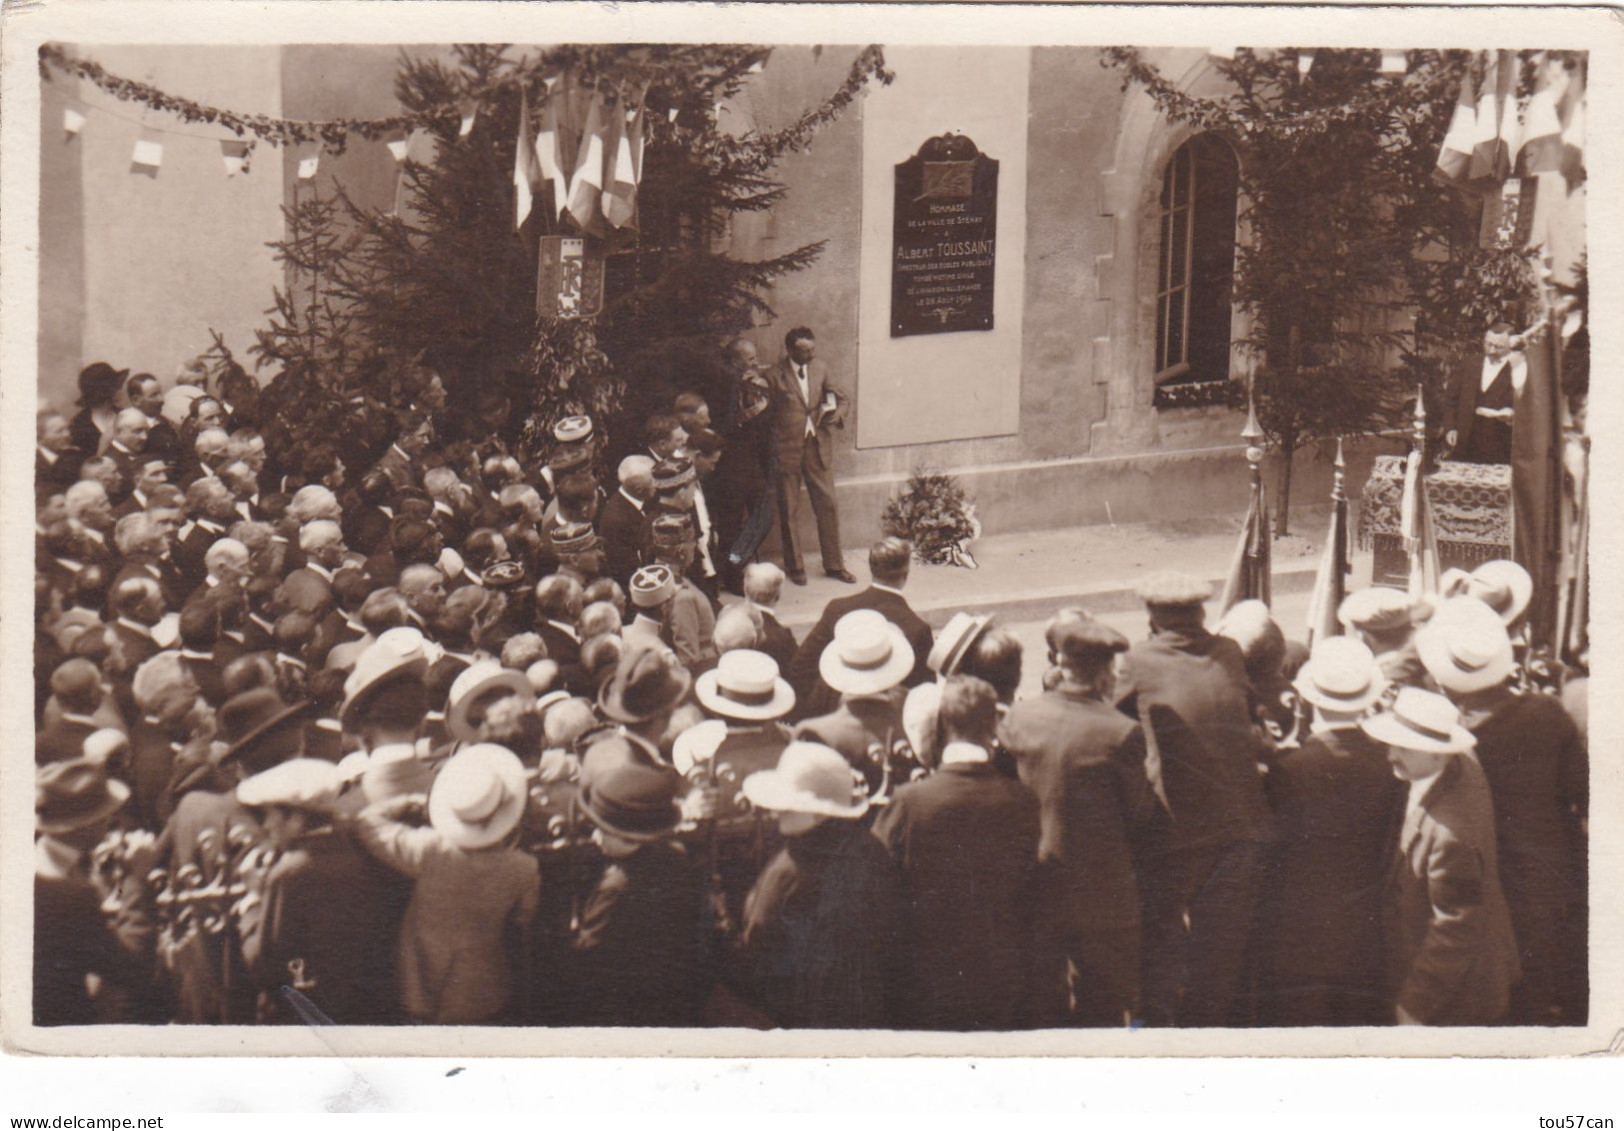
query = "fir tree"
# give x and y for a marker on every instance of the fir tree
(448, 281)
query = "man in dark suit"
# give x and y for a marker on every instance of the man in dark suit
(145, 393)
(763, 585)
(1189, 689)
(56, 463)
(806, 405)
(888, 562)
(620, 522)
(77, 688)
(558, 608)
(966, 841)
(1484, 394)
(1086, 763)
(1337, 809)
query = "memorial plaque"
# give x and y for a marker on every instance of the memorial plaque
(569, 281)
(944, 239)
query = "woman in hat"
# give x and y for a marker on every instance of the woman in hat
(643, 953)
(471, 887)
(73, 804)
(1337, 807)
(1451, 954)
(91, 428)
(1538, 774)
(822, 945)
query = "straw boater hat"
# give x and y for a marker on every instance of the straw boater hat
(1377, 609)
(633, 802)
(647, 681)
(1341, 675)
(70, 795)
(809, 778)
(868, 654)
(479, 796)
(954, 642)
(1420, 720)
(1465, 647)
(745, 684)
(653, 585)
(400, 653)
(1503, 586)
(481, 680)
(300, 783)
(573, 429)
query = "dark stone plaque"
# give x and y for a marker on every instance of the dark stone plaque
(943, 239)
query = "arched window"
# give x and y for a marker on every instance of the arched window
(1197, 266)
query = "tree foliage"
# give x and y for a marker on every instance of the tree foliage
(1360, 272)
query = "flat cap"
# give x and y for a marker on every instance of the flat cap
(1377, 609)
(1088, 641)
(1173, 590)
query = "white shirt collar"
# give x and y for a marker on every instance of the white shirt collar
(963, 752)
(50, 456)
(568, 629)
(887, 588)
(319, 569)
(636, 502)
(1492, 366)
(135, 626)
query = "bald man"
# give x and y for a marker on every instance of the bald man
(620, 522)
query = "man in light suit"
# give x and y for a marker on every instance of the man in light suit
(806, 405)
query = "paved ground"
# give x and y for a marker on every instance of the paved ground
(1023, 578)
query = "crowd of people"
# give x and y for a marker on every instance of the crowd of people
(383, 725)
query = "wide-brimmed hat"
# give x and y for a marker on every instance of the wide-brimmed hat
(1420, 720)
(253, 716)
(1465, 646)
(653, 585)
(955, 640)
(479, 681)
(299, 783)
(400, 653)
(1377, 609)
(647, 681)
(809, 778)
(633, 802)
(1503, 586)
(572, 429)
(745, 684)
(868, 654)
(70, 795)
(479, 796)
(1341, 675)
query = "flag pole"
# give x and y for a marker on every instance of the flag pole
(1258, 554)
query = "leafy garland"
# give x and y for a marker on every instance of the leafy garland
(683, 83)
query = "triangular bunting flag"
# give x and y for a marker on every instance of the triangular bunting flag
(397, 147)
(309, 165)
(466, 126)
(235, 156)
(147, 157)
(1394, 63)
(1305, 62)
(1221, 52)
(72, 121)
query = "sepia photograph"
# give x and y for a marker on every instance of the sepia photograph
(1048, 546)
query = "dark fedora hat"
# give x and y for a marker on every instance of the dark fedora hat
(70, 795)
(647, 681)
(252, 716)
(633, 801)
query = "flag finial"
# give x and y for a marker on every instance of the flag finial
(1419, 429)
(1339, 475)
